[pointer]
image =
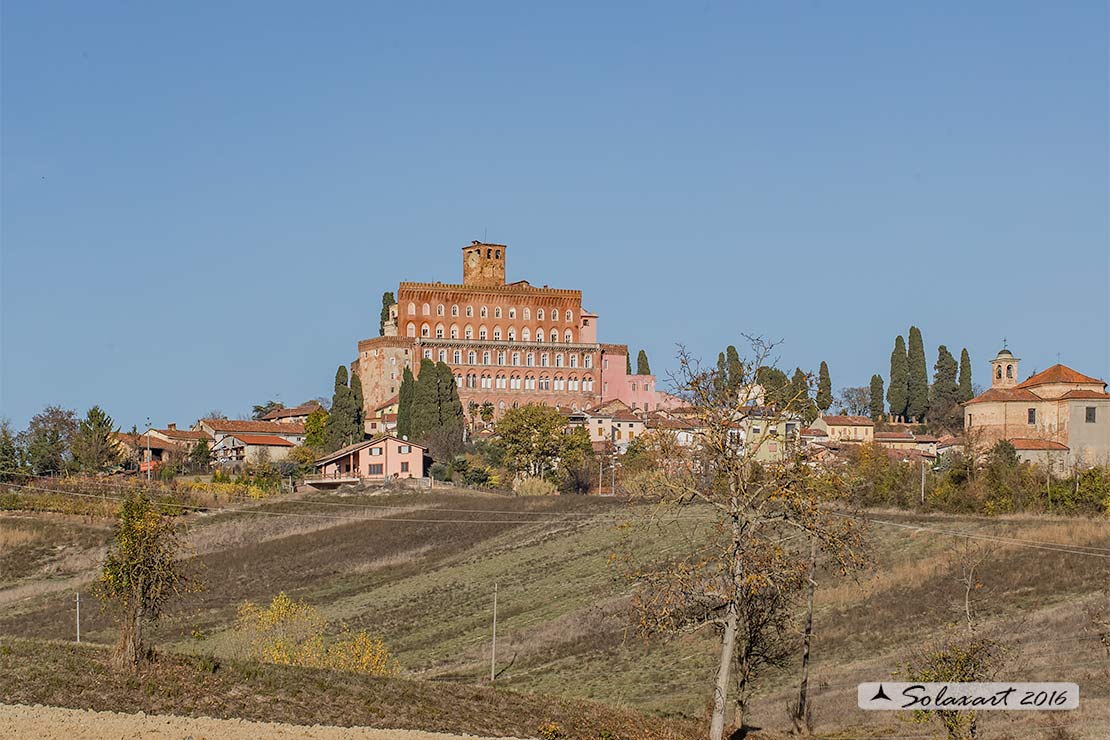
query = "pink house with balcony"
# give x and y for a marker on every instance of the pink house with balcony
(384, 458)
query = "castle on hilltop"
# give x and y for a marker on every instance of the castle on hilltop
(507, 344)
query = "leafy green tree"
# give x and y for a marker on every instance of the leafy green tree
(898, 391)
(966, 393)
(48, 440)
(944, 396)
(486, 412)
(260, 410)
(876, 397)
(387, 302)
(798, 396)
(405, 398)
(533, 438)
(824, 388)
(775, 384)
(642, 366)
(141, 572)
(200, 457)
(94, 449)
(315, 429)
(342, 427)
(11, 463)
(918, 401)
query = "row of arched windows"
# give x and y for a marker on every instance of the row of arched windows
(516, 382)
(502, 357)
(483, 312)
(510, 334)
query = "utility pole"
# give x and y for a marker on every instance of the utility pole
(493, 650)
(78, 616)
(600, 473)
(149, 461)
(923, 482)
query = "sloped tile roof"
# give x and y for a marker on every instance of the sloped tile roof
(1058, 374)
(1037, 444)
(1005, 394)
(304, 409)
(262, 440)
(248, 426)
(1087, 394)
(848, 421)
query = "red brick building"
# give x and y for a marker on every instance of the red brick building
(508, 344)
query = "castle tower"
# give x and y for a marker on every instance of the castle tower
(484, 264)
(1004, 369)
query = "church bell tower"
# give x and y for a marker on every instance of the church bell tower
(1004, 369)
(484, 264)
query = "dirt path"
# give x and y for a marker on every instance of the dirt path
(54, 723)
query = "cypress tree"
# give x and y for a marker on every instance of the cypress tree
(357, 401)
(339, 430)
(876, 397)
(735, 368)
(799, 399)
(944, 396)
(824, 388)
(775, 384)
(897, 392)
(448, 405)
(966, 392)
(387, 301)
(721, 379)
(628, 363)
(425, 403)
(918, 402)
(642, 366)
(405, 398)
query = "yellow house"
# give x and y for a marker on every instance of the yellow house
(846, 428)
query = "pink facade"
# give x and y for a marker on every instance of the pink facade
(636, 391)
(379, 459)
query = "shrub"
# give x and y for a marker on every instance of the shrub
(534, 487)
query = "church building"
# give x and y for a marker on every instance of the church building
(1058, 417)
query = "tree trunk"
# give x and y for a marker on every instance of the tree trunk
(720, 692)
(800, 723)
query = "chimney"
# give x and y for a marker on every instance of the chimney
(172, 427)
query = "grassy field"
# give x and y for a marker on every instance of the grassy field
(563, 626)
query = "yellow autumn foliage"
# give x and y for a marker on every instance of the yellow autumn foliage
(292, 632)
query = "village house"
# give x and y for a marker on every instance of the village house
(373, 459)
(1057, 417)
(845, 428)
(217, 429)
(383, 418)
(186, 439)
(612, 425)
(294, 415)
(251, 448)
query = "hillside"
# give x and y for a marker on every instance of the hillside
(563, 629)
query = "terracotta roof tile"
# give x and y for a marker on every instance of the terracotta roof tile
(263, 440)
(1086, 394)
(848, 421)
(304, 409)
(1037, 444)
(1005, 394)
(248, 426)
(1058, 374)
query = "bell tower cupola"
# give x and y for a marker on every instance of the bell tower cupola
(1004, 369)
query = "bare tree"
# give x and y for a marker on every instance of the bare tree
(855, 401)
(746, 567)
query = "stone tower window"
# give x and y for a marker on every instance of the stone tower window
(998, 372)
(1009, 371)
(1032, 416)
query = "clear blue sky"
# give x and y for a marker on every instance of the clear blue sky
(203, 202)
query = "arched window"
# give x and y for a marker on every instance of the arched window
(998, 372)
(543, 359)
(501, 405)
(539, 314)
(514, 383)
(554, 314)
(454, 331)
(529, 382)
(554, 336)
(516, 359)
(457, 357)
(527, 314)
(459, 380)
(455, 310)
(587, 361)
(485, 357)
(439, 310)
(560, 383)
(539, 335)
(512, 313)
(412, 309)
(545, 383)
(472, 358)
(482, 333)
(443, 355)
(425, 330)
(497, 312)
(471, 380)
(559, 359)
(469, 311)
(501, 358)
(572, 384)
(468, 332)
(484, 312)
(427, 310)
(568, 337)
(512, 334)
(530, 359)
(587, 384)
(428, 353)
(574, 360)
(525, 335)
(496, 333)
(487, 381)
(439, 331)
(411, 331)
(1009, 371)
(501, 385)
